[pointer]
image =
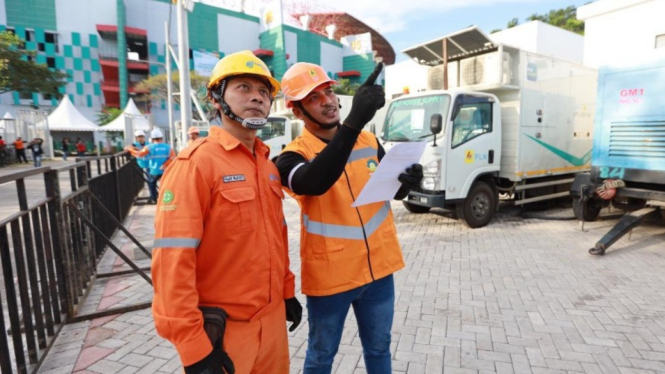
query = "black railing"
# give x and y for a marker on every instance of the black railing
(49, 251)
(30, 251)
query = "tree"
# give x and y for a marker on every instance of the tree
(155, 88)
(345, 87)
(565, 18)
(19, 72)
(513, 22)
(108, 115)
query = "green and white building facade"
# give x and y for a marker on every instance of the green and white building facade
(87, 38)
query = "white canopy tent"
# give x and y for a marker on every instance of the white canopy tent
(8, 128)
(67, 118)
(130, 120)
(140, 121)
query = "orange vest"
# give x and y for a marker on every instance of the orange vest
(341, 247)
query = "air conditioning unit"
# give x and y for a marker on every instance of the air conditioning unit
(435, 78)
(486, 70)
(473, 71)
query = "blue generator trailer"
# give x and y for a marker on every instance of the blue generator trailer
(628, 157)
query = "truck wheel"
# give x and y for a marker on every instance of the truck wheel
(587, 211)
(413, 208)
(479, 206)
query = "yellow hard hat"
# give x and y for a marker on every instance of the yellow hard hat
(239, 63)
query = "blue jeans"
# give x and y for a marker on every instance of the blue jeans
(38, 161)
(374, 307)
(152, 186)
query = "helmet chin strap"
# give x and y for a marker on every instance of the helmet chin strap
(311, 118)
(254, 123)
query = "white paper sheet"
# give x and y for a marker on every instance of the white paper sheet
(383, 184)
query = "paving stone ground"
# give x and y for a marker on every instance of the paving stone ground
(518, 296)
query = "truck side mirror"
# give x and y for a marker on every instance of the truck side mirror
(436, 123)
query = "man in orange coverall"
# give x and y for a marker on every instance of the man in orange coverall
(220, 267)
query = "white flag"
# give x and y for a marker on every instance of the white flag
(357, 44)
(271, 15)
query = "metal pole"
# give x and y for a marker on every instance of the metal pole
(49, 138)
(192, 94)
(445, 63)
(185, 84)
(169, 86)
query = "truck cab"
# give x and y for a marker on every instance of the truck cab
(464, 132)
(278, 132)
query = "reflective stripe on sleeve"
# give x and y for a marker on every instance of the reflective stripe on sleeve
(347, 232)
(176, 242)
(293, 171)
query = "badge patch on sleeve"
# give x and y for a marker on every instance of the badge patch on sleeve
(234, 178)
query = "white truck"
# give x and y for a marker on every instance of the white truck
(278, 132)
(515, 123)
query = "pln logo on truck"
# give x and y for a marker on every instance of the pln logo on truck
(469, 157)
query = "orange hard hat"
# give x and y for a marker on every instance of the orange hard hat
(193, 130)
(301, 79)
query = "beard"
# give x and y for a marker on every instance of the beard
(328, 126)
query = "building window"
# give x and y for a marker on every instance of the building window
(47, 96)
(660, 41)
(52, 38)
(50, 62)
(41, 47)
(29, 35)
(25, 95)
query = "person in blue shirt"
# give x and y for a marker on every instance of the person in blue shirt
(159, 155)
(139, 144)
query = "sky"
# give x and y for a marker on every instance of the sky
(405, 23)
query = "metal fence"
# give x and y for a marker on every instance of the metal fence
(49, 251)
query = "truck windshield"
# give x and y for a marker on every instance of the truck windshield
(408, 119)
(273, 129)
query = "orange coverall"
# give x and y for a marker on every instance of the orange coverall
(221, 240)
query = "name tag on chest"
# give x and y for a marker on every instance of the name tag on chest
(234, 178)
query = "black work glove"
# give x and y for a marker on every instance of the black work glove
(293, 312)
(218, 361)
(412, 177)
(368, 99)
